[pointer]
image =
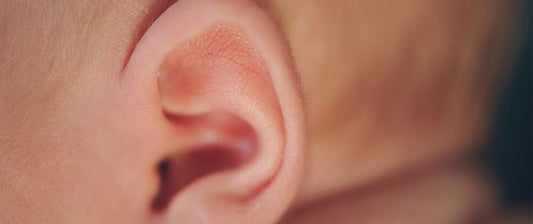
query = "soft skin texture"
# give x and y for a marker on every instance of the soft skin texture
(97, 125)
(403, 84)
(138, 121)
(262, 91)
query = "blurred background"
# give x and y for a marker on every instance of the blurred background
(510, 144)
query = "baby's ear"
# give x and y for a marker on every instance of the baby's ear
(213, 82)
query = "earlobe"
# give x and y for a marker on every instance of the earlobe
(218, 80)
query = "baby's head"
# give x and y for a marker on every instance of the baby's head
(205, 111)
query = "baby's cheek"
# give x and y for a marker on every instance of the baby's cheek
(60, 160)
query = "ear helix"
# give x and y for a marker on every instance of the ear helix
(227, 111)
(197, 84)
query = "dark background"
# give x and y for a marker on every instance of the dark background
(510, 143)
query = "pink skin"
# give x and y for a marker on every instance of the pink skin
(272, 108)
(191, 111)
(244, 105)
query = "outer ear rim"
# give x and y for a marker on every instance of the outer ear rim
(141, 73)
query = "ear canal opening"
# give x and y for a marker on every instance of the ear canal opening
(178, 171)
